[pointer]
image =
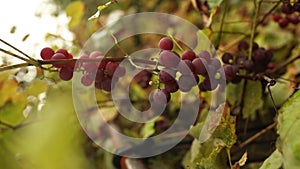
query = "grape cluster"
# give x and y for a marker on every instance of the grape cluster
(182, 72)
(260, 61)
(143, 78)
(94, 72)
(290, 14)
(65, 69)
(100, 73)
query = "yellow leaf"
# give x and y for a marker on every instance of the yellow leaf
(8, 88)
(75, 10)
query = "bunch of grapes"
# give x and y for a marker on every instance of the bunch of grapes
(290, 14)
(94, 72)
(182, 72)
(143, 78)
(100, 73)
(260, 61)
(65, 69)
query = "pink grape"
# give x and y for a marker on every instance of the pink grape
(66, 73)
(168, 59)
(47, 53)
(165, 44)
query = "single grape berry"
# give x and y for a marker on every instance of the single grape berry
(66, 73)
(87, 80)
(283, 22)
(209, 84)
(188, 55)
(199, 65)
(230, 72)
(243, 45)
(166, 75)
(165, 44)
(95, 54)
(227, 58)
(63, 51)
(287, 8)
(186, 82)
(276, 17)
(161, 96)
(107, 85)
(47, 53)
(168, 59)
(171, 86)
(259, 55)
(293, 18)
(248, 65)
(59, 56)
(215, 62)
(111, 67)
(186, 67)
(205, 55)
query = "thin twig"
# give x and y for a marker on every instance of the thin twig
(8, 44)
(221, 26)
(7, 125)
(254, 26)
(14, 55)
(10, 67)
(255, 136)
(269, 12)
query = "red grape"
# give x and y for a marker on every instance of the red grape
(87, 80)
(186, 67)
(168, 59)
(243, 45)
(199, 65)
(59, 56)
(165, 44)
(188, 55)
(66, 73)
(171, 86)
(161, 96)
(166, 75)
(111, 67)
(283, 22)
(46, 53)
(227, 58)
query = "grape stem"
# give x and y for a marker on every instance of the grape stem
(8, 44)
(257, 5)
(7, 125)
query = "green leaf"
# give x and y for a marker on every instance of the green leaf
(221, 136)
(8, 89)
(214, 3)
(75, 10)
(253, 98)
(36, 87)
(234, 93)
(274, 161)
(148, 129)
(288, 130)
(12, 113)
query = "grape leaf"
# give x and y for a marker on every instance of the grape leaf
(12, 113)
(36, 87)
(253, 98)
(212, 152)
(8, 89)
(234, 93)
(148, 129)
(274, 161)
(288, 129)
